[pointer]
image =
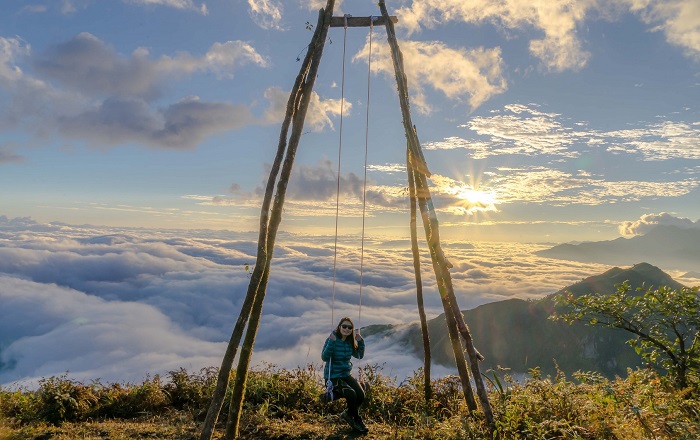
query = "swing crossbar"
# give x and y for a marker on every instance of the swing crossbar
(376, 20)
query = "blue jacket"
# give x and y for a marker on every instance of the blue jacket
(336, 354)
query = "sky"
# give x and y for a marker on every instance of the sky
(136, 137)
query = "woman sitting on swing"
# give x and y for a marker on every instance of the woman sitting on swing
(342, 344)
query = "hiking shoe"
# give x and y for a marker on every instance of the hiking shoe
(360, 425)
(348, 419)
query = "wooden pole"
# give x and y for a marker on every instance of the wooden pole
(299, 116)
(457, 350)
(297, 106)
(260, 264)
(440, 264)
(427, 358)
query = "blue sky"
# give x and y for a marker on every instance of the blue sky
(546, 121)
(135, 137)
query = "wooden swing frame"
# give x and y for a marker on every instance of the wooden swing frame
(271, 216)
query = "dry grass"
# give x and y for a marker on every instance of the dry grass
(171, 426)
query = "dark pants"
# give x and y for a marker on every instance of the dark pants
(348, 388)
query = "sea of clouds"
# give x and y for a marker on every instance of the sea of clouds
(120, 305)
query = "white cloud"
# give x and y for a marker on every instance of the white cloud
(648, 222)
(315, 5)
(222, 58)
(388, 168)
(528, 131)
(559, 50)
(72, 6)
(679, 20)
(10, 50)
(69, 6)
(177, 4)
(34, 9)
(266, 13)
(518, 133)
(518, 129)
(525, 130)
(560, 188)
(662, 141)
(475, 75)
(318, 115)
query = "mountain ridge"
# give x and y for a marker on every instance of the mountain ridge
(667, 246)
(518, 335)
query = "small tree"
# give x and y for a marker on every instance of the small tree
(665, 322)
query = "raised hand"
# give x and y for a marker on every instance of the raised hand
(332, 336)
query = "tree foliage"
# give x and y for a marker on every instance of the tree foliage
(665, 323)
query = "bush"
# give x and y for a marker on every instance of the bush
(637, 407)
(130, 401)
(191, 391)
(19, 405)
(60, 399)
(284, 391)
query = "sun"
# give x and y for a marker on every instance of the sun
(477, 197)
(471, 200)
(465, 198)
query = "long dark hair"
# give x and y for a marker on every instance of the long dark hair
(352, 334)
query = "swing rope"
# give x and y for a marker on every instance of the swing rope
(337, 191)
(364, 184)
(329, 382)
(328, 394)
(364, 188)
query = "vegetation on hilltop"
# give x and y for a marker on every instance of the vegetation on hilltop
(284, 403)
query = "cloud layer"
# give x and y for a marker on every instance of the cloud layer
(121, 304)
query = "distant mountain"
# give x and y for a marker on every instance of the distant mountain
(518, 335)
(670, 247)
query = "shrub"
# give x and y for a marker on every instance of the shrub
(404, 404)
(284, 391)
(60, 399)
(149, 397)
(637, 407)
(191, 391)
(18, 405)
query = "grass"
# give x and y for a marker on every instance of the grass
(284, 404)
